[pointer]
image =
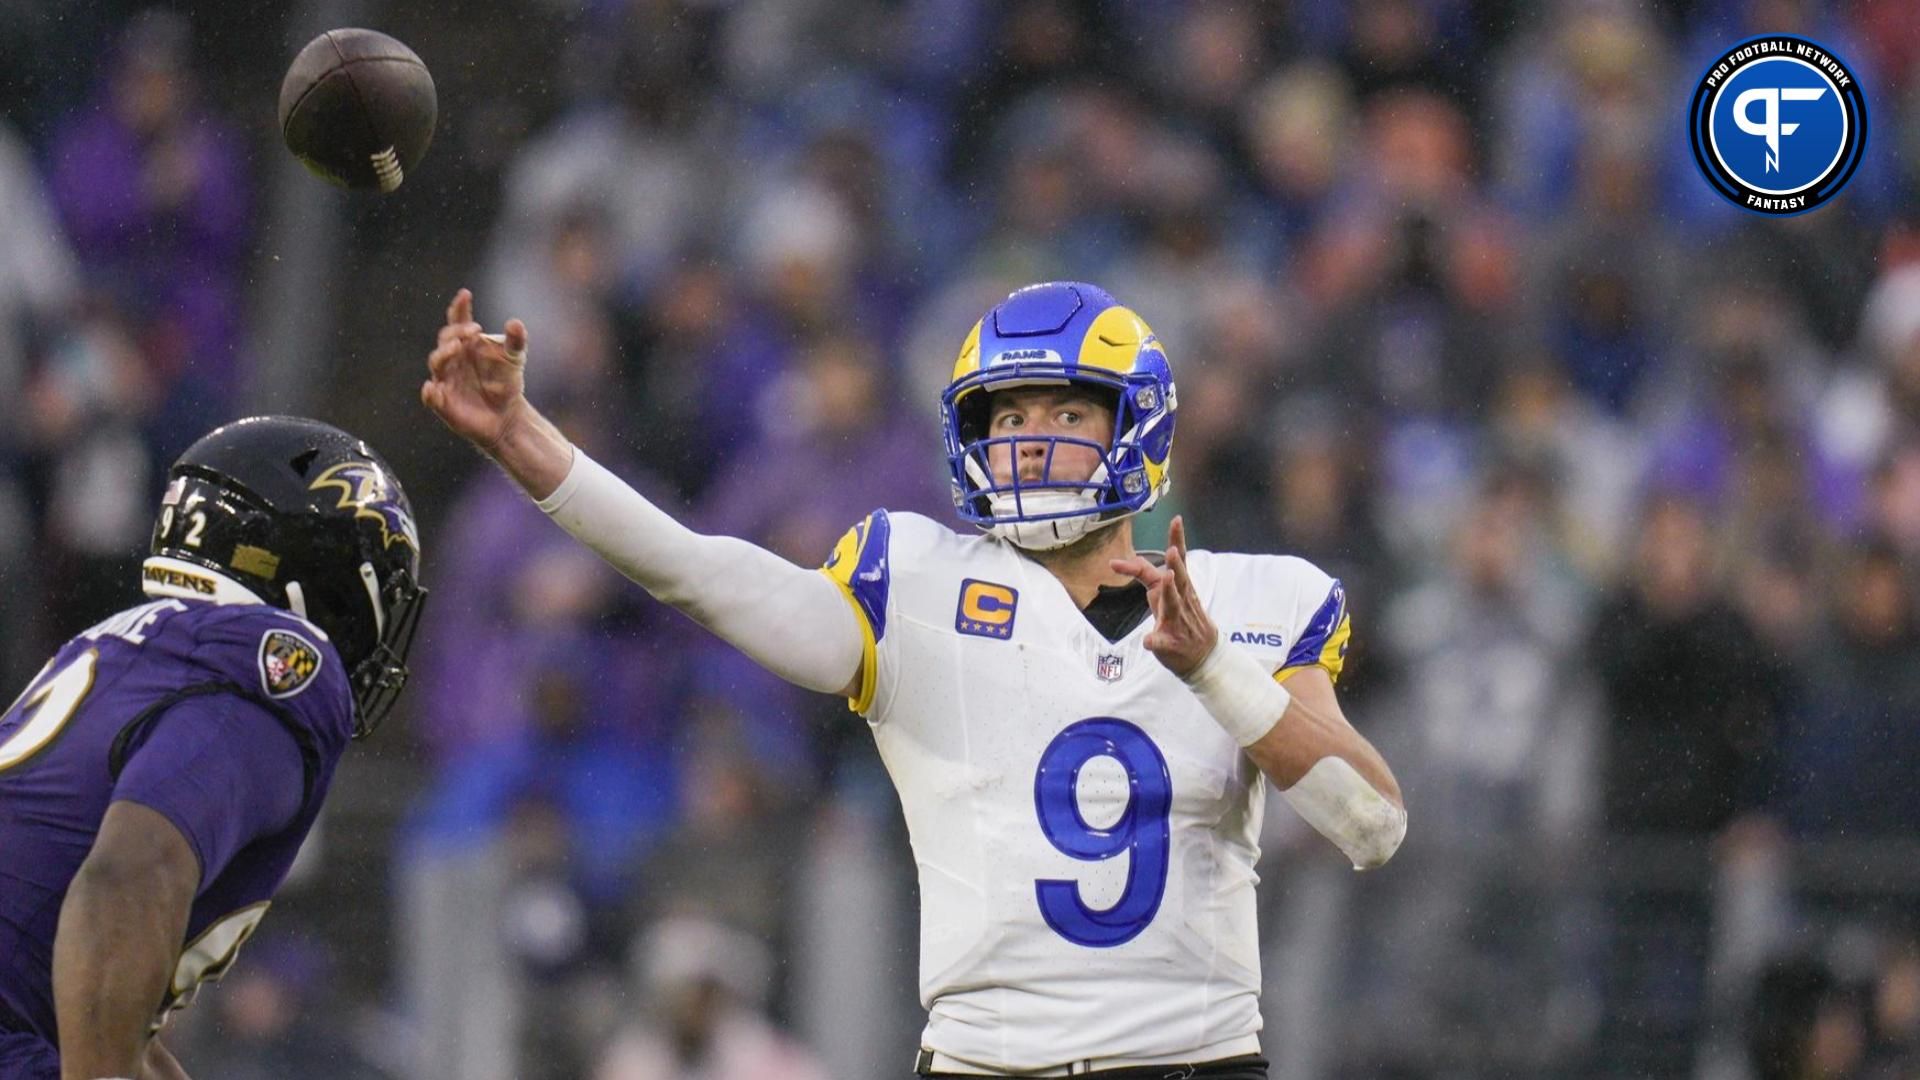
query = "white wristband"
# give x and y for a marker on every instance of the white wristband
(1241, 695)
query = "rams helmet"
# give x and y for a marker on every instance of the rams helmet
(1060, 333)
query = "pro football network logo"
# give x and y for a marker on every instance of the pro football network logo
(1778, 124)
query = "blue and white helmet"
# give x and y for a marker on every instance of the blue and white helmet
(1060, 333)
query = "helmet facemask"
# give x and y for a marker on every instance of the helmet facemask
(1051, 512)
(380, 675)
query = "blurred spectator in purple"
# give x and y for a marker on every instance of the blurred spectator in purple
(706, 985)
(153, 190)
(1735, 424)
(678, 416)
(613, 785)
(828, 417)
(542, 666)
(1850, 753)
(511, 591)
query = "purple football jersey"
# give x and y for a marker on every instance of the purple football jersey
(226, 719)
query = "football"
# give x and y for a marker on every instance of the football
(357, 108)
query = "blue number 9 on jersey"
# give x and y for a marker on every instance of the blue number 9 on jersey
(1142, 830)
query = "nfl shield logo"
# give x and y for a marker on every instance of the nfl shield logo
(1109, 667)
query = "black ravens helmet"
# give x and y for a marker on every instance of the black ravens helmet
(307, 518)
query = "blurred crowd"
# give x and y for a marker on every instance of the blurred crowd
(1623, 483)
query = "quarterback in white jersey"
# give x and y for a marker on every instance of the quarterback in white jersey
(1082, 735)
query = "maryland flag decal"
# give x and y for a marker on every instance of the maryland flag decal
(288, 662)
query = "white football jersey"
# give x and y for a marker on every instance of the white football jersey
(1085, 832)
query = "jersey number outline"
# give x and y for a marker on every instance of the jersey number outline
(1143, 832)
(47, 709)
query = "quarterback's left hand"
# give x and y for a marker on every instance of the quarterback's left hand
(1183, 633)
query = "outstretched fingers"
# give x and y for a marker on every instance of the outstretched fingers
(516, 340)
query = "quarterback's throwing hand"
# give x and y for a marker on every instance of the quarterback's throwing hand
(476, 381)
(1183, 633)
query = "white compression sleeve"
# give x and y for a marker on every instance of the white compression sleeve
(1332, 797)
(793, 621)
(1339, 803)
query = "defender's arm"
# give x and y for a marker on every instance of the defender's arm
(120, 931)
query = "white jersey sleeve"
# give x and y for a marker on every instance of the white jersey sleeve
(862, 565)
(1286, 611)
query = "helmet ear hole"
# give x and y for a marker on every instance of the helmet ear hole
(973, 413)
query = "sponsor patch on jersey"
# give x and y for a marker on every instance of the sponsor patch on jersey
(288, 662)
(986, 609)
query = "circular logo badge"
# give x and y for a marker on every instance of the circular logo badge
(1778, 124)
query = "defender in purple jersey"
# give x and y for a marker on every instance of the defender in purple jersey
(159, 774)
